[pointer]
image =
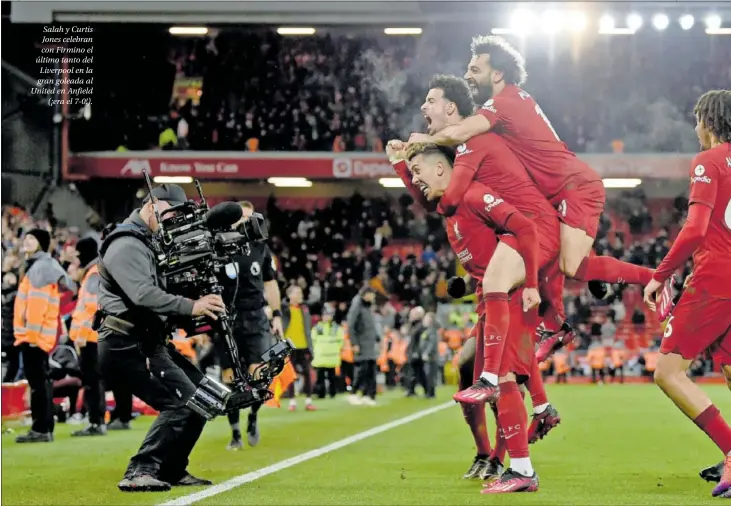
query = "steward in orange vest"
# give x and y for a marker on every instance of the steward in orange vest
(85, 338)
(35, 326)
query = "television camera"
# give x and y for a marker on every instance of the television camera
(195, 248)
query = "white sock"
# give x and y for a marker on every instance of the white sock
(522, 466)
(292, 402)
(492, 378)
(540, 408)
(308, 401)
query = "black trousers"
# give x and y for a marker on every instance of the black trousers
(301, 360)
(93, 388)
(365, 381)
(326, 374)
(166, 386)
(347, 375)
(122, 403)
(424, 374)
(35, 366)
(12, 356)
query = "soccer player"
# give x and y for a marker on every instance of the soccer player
(495, 74)
(702, 318)
(471, 232)
(448, 102)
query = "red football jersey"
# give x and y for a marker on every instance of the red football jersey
(710, 185)
(472, 229)
(517, 118)
(495, 165)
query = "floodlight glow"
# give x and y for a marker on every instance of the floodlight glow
(606, 23)
(634, 22)
(660, 21)
(522, 21)
(686, 21)
(577, 21)
(552, 21)
(713, 22)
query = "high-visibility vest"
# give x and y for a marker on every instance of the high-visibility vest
(597, 357)
(561, 362)
(651, 358)
(327, 341)
(35, 320)
(398, 350)
(617, 357)
(346, 353)
(86, 307)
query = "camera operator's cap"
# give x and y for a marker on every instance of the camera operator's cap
(170, 193)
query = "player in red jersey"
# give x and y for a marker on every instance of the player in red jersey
(702, 318)
(495, 74)
(471, 234)
(448, 102)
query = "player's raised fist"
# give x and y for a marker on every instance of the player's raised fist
(417, 137)
(396, 150)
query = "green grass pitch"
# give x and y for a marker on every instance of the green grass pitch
(617, 444)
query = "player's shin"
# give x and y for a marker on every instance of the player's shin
(536, 389)
(497, 323)
(513, 426)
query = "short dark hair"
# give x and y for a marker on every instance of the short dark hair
(455, 90)
(247, 204)
(417, 149)
(503, 57)
(714, 111)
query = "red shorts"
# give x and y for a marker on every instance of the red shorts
(580, 205)
(519, 345)
(699, 323)
(549, 234)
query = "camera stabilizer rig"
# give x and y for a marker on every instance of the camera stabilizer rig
(195, 253)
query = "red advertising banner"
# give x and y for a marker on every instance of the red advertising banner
(246, 165)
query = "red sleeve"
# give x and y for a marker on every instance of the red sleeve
(492, 110)
(704, 179)
(687, 241)
(402, 169)
(499, 214)
(466, 163)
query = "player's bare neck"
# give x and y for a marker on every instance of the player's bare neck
(715, 142)
(498, 88)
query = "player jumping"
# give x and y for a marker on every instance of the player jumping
(495, 74)
(702, 318)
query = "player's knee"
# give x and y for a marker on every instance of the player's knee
(569, 263)
(666, 374)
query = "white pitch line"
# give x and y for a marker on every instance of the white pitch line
(298, 459)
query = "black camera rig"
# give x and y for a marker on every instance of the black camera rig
(195, 248)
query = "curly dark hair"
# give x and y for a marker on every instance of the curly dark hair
(714, 111)
(455, 90)
(503, 57)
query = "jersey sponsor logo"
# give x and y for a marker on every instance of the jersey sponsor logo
(488, 106)
(464, 256)
(491, 202)
(700, 179)
(255, 268)
(462, 150)
(699, 170)
(456, 231)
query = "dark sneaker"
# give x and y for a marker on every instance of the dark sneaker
(143, 483)
(724, 484)
(191, 481)
(553, 342)
(712, 473)
(35, 437)
(252, 431)
(542, 424)
(118, 425)
(493, 470)
(600, 289)
(481, 392)
(511, 482)
(91, 430)
(478, 465)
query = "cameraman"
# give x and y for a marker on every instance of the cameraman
(257, 288)
(133, 349)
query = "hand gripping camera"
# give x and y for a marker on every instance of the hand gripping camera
(195, 254)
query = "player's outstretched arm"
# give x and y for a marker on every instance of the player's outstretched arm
(689, 238)
(458, 133)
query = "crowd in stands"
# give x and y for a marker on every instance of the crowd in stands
(344, 91)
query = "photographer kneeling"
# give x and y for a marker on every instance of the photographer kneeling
(133, 347)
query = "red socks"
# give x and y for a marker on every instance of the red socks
(611, 270)
(500, 444)
(712, 423)
(535, 386)
(513, 420)
(497, 322)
